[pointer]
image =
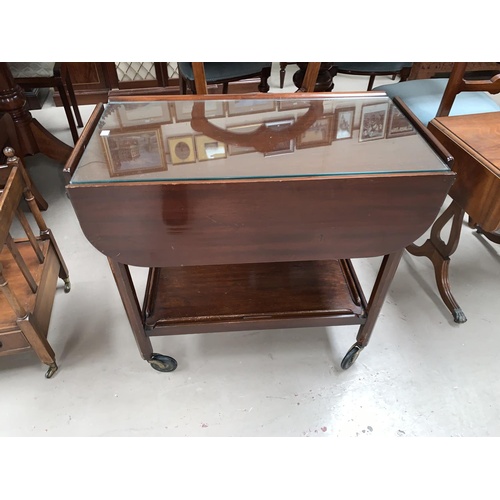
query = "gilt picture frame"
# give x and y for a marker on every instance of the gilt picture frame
(133, 152)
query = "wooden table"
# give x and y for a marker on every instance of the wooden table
(474, 142)
(32, 137)
(247, 210)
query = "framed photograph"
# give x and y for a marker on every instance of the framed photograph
(282, 147)
(249, 106)
(209, 149)
(133, 152)
(182, 110)
(234, 149)
(373, 122)
(288, 104)
(144, 113)
(318, 134)
(398, 125)
(181, 149)
(344, 121)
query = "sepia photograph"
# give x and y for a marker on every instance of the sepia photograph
(344, 121)
(398, 125)
(137, 152)
(373, 122)
(318, 134)
(181, 149)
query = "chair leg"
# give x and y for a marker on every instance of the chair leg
(283, 66)
(72, 98)
(183, 86)
(371, 82)
(67, 109)
(405, 74)
(225, 87)
(264, 86)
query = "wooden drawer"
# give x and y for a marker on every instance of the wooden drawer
(10, 342)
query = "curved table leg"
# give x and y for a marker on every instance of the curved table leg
(439, 254)
(494, 237)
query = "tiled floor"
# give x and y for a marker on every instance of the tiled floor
(422, 374)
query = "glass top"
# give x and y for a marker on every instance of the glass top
(191, 138)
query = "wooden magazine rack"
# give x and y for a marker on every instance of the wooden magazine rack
(29, 268)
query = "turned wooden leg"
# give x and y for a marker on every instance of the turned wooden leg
(324, 82)
(264, 77)
(439, 254)
(32, 137)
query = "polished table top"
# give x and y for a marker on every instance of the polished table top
(480, 133)
(248, 137)
(474, 141)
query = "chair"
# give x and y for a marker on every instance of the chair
(224, 73)
(457, 95)
(373, 69)
(50, 75)
(29, 267)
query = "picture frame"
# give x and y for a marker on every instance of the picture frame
(283, 147)
(182, 110)
(290, 104)
(133, 152)
(208, 148)
(250, 106)
(234, 149)
(344, 123)
(144, 113)
(318, 134)
(373, 122)
(398, 125)
(181, 149)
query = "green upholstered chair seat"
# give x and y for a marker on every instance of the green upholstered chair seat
(423, 97)
(220, 71)
(372, 67)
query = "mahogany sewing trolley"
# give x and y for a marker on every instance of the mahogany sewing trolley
(248, 209)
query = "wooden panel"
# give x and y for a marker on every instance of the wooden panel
(251, 293)
(10, 342)
(431, 69)
(197, 223)
(89, 81)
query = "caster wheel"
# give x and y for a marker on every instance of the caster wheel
(351, 356)
(162, 363)
(52, 369)
(67, 285)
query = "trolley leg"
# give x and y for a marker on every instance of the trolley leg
(380, 288)
(128, 295)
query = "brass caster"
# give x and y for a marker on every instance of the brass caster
(459, 316)
(67, 285)
(52, 369)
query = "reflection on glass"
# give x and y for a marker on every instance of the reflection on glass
(220, 138)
